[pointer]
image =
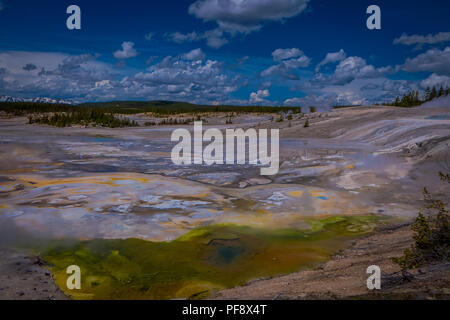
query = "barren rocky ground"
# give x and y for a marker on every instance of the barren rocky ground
(23, 277)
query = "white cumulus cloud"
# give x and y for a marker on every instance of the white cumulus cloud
(332, 57)
(179, 37)
(434, 60)
(346, 71)
(245, 16)
(289, 61)
(435, 80)
(256, 97)
(237, 17)
(128, 51)
(283, 54)
(419, 39)
(196, 54)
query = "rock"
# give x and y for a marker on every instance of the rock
(256, 181)
(243, 184)
(286, 164)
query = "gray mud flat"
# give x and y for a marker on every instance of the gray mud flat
(23, 278)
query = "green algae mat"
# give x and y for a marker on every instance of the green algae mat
(204, 260)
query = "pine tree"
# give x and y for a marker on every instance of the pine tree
(433, 93)
(427, 94)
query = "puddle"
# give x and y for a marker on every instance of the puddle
(439, 117)
(203, 260)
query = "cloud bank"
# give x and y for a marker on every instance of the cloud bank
(419, 39)
(234, 17)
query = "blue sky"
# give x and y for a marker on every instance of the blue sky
(270, 52)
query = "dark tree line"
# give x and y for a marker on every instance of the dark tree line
(107, 114)
(162, 108)
(82, 117)
(430, 94)
(412, 98)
